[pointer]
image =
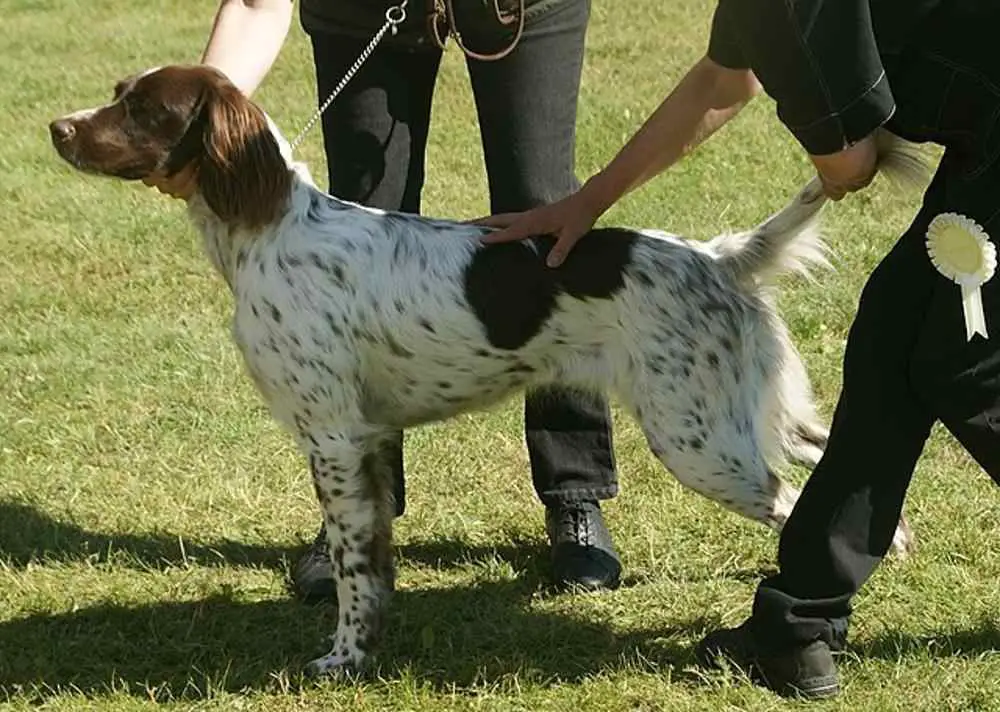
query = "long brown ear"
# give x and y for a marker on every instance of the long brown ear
(241, 174)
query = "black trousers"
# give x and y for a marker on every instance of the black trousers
(375, 135)
(907, 363)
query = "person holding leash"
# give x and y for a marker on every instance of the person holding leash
(925, 343)
(524, 64)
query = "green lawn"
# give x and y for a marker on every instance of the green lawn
(149, 508)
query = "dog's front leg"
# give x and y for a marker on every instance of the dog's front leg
(355, 505)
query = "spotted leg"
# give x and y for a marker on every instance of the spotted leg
(352, 487)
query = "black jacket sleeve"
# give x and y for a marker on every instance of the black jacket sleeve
(816, 58)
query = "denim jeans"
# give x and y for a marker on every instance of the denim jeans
(375, 135)
(907, 363)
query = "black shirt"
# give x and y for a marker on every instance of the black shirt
(822, 61)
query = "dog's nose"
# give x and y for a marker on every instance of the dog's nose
(62, 130)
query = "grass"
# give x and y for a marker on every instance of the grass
(149, 508)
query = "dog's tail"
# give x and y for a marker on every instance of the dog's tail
(790, 241)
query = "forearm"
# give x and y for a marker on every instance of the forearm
(705, 99)
(246, 39)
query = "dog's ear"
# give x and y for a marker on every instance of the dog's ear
(241, 173)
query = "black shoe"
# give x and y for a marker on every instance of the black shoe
(583, 554)
(809, 671)
(312, 579)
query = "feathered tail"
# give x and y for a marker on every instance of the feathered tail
(790, 241)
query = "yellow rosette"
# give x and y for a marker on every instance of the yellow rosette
(962, 251)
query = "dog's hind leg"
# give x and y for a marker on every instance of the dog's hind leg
(353, 487)
(805, 443)
(714, 451)
(800, 433)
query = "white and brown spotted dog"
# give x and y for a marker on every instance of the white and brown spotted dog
(355, 322)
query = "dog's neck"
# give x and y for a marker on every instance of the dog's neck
(228, 245)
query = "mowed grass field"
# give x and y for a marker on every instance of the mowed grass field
(150, 509)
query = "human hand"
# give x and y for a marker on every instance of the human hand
(567, 220)
(849, 170)
(181, 184)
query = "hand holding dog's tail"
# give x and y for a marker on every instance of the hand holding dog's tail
(790, 239)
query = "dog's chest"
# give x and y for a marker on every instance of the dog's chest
(295, 353)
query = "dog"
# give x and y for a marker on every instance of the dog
(355, 322)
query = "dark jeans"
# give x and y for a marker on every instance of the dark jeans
(907, 364)
(375, 135)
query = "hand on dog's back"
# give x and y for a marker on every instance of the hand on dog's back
(567, 220)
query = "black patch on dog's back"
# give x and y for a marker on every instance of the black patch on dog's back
(513, 293)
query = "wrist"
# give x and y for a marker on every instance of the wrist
(598, 194)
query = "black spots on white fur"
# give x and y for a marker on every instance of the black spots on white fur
(513, 293)
(332, 324)
(519, 368)
(273, 311)
(643, 278)
(657, 364)
(330, 267)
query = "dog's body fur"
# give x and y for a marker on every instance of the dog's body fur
(355, 322)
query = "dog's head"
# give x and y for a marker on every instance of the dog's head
(164, 119)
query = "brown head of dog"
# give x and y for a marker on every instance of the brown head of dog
(162, 120)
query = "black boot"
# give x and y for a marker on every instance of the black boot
(808, 671)
(583, 554)
(312, 579)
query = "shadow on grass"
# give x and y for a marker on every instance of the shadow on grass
(446, 638)
(967, 643)
(28, 535)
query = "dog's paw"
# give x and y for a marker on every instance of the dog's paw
(339, 667)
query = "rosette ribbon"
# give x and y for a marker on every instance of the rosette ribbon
(962, 251)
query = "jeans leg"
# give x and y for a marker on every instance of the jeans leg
(959, 378)
(375, 133)
(843, 523)
(526, 103)
(374, 136)
(568, 435)
(907, 364)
